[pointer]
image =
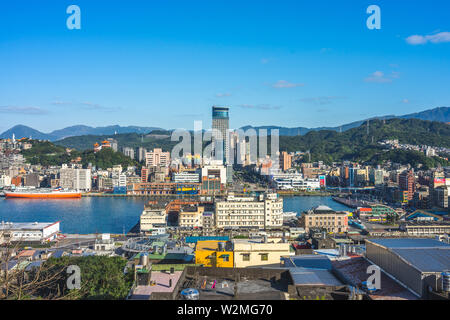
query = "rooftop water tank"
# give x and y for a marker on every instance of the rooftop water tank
(190, 294)
(143, 259)
(446, 281)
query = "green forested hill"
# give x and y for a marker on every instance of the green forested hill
(326, 145)
(48, 154)
(132, 140)
(356, 144)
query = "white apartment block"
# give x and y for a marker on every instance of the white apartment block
(76, 179)
(153, 217)
(265, 211)
(186, 177)
(5, 181)
(191, 217)
(296, 184)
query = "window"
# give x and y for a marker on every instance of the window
(246, 257)
(264, 257)
(226, 258)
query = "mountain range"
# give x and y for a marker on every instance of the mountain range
(21, 131)
(441, 114)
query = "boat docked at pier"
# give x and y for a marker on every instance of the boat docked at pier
(42, 193)
(289, 215)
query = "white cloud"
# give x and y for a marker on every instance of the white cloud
(379, 77)
(22, 110)
(405, 101)
(285, 84)
(321, 100)
(221, 95)
(325, 50)
(264, 60)
(85, 105)
(434, 38)
(259, 107)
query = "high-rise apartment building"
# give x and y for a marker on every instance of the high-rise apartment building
(407, 182)
(129, 152)
(220, 122)
(285, 161)
(157, 158)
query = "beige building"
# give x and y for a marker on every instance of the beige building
(152, 217)
(265, 211)
(157, 158)
(191, 216)
(325, 218)
(248, 253)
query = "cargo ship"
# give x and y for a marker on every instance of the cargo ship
(57, 193)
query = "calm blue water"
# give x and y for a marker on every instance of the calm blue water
(108, 215)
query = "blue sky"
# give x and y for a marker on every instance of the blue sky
(165, 63)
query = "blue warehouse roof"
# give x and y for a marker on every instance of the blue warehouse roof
(308, 261)
(409, 243)
(426, 255)
(427, 260)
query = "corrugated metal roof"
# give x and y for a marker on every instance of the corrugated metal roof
(409, 243)
(426, 259)
(305, 277)
(309, 261)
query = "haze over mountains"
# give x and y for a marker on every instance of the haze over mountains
(441, 114)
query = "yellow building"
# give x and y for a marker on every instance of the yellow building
(214, 253)
(248, 253)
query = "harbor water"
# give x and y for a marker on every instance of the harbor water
(110, 215)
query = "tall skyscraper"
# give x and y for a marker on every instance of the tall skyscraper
(220, 122)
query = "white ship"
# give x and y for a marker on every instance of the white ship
(289, 215)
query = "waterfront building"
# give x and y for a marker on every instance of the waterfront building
(153, 216)
(151, 188)
(31, 180)
(104, 183)
(5, 181)
(265, 211)
(76, 179)
(325, 218)
(185, 176)
(29, 231)
(295, 182)
(425, 228)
